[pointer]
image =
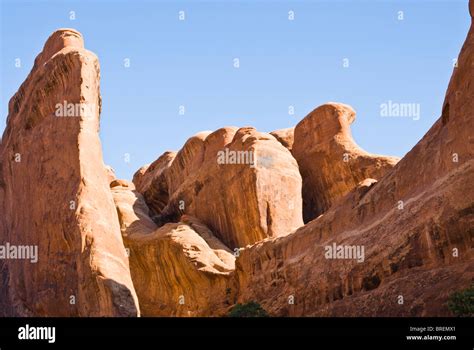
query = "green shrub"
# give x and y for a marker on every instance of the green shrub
(461, 303)
(250, 309)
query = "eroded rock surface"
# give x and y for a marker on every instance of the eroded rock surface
(416, 226)
(150, 180)
(408, 226)
(285, 137)
(243, 184)
(179, 269)
(330, 162)
(56, 196)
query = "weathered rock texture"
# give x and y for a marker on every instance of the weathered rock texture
(179, 269)
(285, 137)
(110, 173)
(416, 224)
(133, 213)
(240, 203)
(178, 272)
(55, 194)
(186, 212)
(151, 182)
(330, 162)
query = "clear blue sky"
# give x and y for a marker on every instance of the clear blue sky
(282, 63)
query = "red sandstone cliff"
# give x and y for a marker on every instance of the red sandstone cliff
(54, 193)
(204, 231)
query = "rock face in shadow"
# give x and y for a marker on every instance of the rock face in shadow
(179, 269)
(55, 195)
(330, 162)
(150, 180)
(243, 184)
(416, 226)
(285, 137)
(133, 213)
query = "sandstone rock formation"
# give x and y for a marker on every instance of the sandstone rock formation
(330, 162)
(110, 173)
(416, 224)
(179, 269)
(151, 182)
(177, 272)
(285, 137)
(252, 194)
(404, 228)
(133, 213)
(55, 195)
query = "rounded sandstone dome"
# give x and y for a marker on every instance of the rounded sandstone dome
(61, 38)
